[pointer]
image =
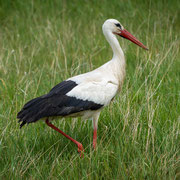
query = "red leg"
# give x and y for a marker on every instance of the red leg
(95, 125)
(79, 145)
(95, 138)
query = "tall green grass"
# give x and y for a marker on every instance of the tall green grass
(45, 42)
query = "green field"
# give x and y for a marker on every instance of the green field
(43, 42)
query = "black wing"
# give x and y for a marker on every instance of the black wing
(55, 103)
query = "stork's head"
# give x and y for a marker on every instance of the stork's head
(116, 28)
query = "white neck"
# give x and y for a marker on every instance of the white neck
(117, 51)
(118, 60)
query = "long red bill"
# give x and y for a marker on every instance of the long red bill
(125, 34)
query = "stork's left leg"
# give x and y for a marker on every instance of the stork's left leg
(95, 126)
(79, 145)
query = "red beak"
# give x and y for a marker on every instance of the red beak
(125, 34)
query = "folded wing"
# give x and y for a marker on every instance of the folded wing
(68, 98)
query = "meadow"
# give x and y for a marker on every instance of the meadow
(45, 42)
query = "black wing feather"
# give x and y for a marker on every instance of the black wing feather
(55, 103)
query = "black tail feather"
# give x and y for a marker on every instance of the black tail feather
(31, 110)
(22, 124)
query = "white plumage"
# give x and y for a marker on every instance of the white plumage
(98, 90)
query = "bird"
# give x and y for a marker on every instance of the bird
(83, 95)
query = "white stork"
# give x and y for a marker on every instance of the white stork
(84, 95)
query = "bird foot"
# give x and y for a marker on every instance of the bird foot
(80, 149)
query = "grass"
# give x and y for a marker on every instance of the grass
(45, 42)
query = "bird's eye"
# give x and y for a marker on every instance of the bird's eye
(118, 25)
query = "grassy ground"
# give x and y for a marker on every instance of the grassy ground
(44, 42)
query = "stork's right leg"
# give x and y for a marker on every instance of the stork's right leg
(79, 145)
(95, 126)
